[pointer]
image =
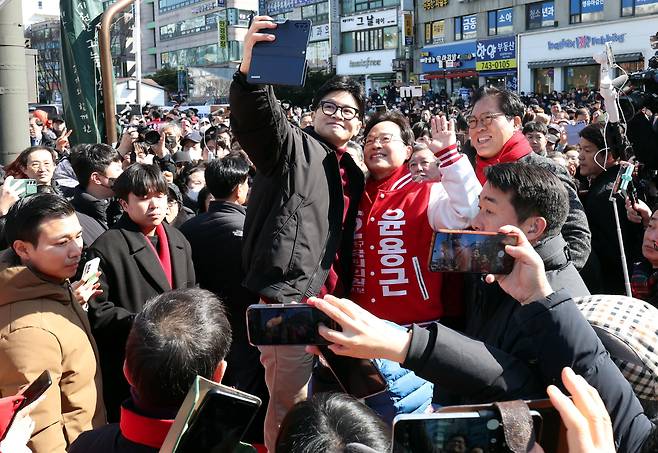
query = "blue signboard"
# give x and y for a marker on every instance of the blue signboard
(496, 49)
(586, 6)
(504, 17)
(541, 14)
(448, 57)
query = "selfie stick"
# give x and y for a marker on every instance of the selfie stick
(609, 95)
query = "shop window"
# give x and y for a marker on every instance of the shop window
(638, 7)
(500, 21)
(581, 77)
(543, 80)
(541, 14)
(585, 11)
(435, 32)
(465, 27)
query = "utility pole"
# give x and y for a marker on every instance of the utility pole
(13, 82)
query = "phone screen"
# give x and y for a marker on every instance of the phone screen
(289, 324)
(219, 424)
(358, 377)
(36, 389)
(468, 251)
(30, 186)
(459, 432)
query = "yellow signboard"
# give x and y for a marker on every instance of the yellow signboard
(223, 34)
(495, 65)
(438, 30)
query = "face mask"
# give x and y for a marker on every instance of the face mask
(193, 194)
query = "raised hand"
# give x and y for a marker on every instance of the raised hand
(443, 133)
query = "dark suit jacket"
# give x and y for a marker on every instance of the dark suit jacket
(131, 274)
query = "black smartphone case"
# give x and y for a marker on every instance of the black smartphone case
(282, 61)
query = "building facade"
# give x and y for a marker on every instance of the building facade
(44, 37)
(528, 45)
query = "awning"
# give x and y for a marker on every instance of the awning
(620, 58)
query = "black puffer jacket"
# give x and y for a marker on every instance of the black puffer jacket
(294, 225)
(493, 359)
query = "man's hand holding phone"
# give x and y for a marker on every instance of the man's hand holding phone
(88, 286)
(253, 36)
(527, 282)
(363, 335)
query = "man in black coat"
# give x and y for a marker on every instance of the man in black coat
(601, 166)
(140, 257)
(216, 241)
(96, 167)
(300, 223)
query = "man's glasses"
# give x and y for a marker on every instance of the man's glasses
(329, 108)
(485, 120)
(383, 139)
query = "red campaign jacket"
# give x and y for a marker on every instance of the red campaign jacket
(393, 237)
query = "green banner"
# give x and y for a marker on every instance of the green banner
(82, 96)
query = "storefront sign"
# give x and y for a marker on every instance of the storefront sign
(223, 34)
(377, 62)
(590, 6)
(408, 28)
(586, 41)
(208, 7)
(448, 57)
(496, 54)
(370, 20)
(279, 6)
(319, 33)
(541, 14)
(431, 4)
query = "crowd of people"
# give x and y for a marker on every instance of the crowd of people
(192, 219)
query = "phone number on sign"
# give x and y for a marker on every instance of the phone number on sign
(495, 64)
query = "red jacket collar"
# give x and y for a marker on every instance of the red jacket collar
(514, 149)
(143, 430)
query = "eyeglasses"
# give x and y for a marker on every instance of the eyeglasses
(383, 139)
(485, 120)
(329, 108)
(36, 165)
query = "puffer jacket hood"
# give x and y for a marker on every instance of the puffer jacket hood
(19, 283)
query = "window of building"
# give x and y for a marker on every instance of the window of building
(541, 14)
(357, 6)
(581, 77)
(465, 27)
(500, 21)
(543, 80)
(367, 40)
(435, 32)
(192, 56)
(317, 13)
(638, 7)
(585, 11)
(318, 54)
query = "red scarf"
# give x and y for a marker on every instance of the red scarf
(163, 252)
(514, 149)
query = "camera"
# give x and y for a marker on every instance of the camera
(147, 135)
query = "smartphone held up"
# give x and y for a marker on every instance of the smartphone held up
(471, 252)
(286, 324)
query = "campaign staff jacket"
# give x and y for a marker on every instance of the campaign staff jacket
(393, 237)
